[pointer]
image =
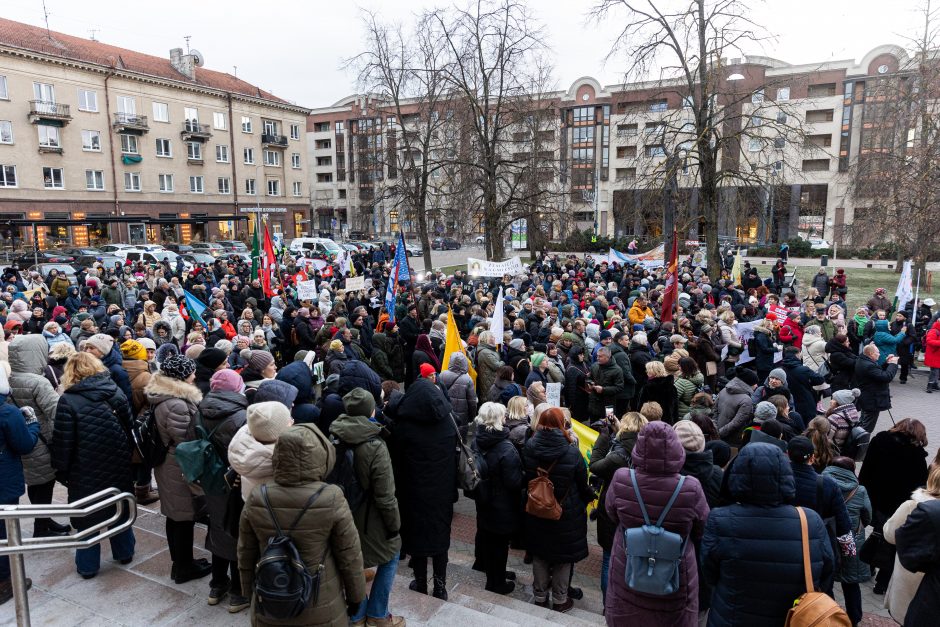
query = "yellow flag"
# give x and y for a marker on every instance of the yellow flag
(736, 269)
(453, 344)
(586, 438)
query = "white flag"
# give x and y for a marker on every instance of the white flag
(344, 262)
(904, 293)
(497, 323)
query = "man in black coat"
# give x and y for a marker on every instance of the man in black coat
(619, 352)
(873, 380)
(801, 380)
(409, 329)
(608, 382)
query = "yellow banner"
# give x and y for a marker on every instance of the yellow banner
(453, 344)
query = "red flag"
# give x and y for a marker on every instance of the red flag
(268, 264)
(183, 311)
(672, 282)
(300, 276)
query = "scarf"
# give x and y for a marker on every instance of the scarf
(860, 320)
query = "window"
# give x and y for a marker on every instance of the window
(657, 150)
(249, 156)
(221, 153)
(48, 136)
(783, 93)
(7, 175)
(132, 181)
(6, 132)
(194, 151)
(626, 152)
(297, 188)
(780, 143)
(91, 141)
(166, 183)
(163, 148)
(328, 161)
(583, 114)
(754, 145)
(269, 127)
(127, 104)
(225, 185)
(626, 130)
(815, 165)
(94, 180)
(196, 184)
(325, 178)
(295, 160)
(756, 120)
(4, 93)
(87, 100)
(129, 144)
(582, 134)
(321, 127)
(52, 178)
(191, 116)
(340, 127)
(274, 187)
(246, 124)
(322, 144)
(781, 118)
(659, 105)
(342, 194)
(778, 166)
(272, 157)
(757, 97)
(161, 112)
(250, 187)
(218, 120)
(295, 131)
(44, 92)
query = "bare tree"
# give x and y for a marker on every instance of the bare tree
(720, 136)
(895, 182)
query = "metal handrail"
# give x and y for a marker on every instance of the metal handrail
(15, 545)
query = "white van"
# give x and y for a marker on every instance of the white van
(315, 247)
(138, 254)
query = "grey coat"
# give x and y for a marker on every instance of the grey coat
(460, 389)
(488, 362)
(851, 568)
(29, 388)
(174, 404)
(734, 410)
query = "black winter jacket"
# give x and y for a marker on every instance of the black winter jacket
(608, 455)
(801, 380)
(564, 540)
(764, 354)
(298, 374)
(576, 399)
(894, 467)
(699, 464)
(639, 357)
(499, 512)
(661, 390)
(918, 542)
(841, 365)
(610, 377)
(832, 505)
(873, 381)
(622, 358)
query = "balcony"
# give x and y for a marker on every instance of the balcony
(52, 113)
(193, 131)
(130, 123)
(269, 140)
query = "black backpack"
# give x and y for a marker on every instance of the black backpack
(283, 584)
(147, 440)
(344, 475)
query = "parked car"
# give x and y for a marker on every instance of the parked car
(414, 250)
(43, 256)
(180, 249)
(236, 257)
(445, 243)
(318, 247)
(63, 268)
(233, 245)
(79, 252)
(350, 247)
(480, 239)
(202, 258)
(87, 261)
(152, 257)
(207, 248)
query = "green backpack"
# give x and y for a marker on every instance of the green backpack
(200, 461)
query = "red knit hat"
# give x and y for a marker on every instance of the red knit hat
(427, 370)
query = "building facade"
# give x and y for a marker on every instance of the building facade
(91, 132)
(799, 130)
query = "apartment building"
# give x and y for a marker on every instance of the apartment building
(800, 129)
(93, 136)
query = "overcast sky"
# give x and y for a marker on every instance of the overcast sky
(296, 48)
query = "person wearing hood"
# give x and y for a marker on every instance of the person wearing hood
(175, 401)
(761, 525)
(19, 433)
(223, 412)
(813, 350)
(841, 362)
(657, 459)
(325, 534)
(460, 390)
(424, 449)
(59, 287)
(91, 451)
(171, 315)
(149, 316)
(488, 363)
(136, 365)
(274, 390)
(251, 450)
(556, 545)
(299, 375)
(72, 301)
(29, 387)
(377, 519)
(852, 571)
(210, 361)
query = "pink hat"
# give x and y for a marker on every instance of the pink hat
(226, 380)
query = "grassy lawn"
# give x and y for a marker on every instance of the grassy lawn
(861, 282)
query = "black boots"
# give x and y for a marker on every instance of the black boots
(419, 585)
(440, 588)
(47, 528)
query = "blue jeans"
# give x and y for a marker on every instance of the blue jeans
(88, 560)
(605, 572)
(376, 604)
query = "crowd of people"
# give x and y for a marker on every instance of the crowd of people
(726, 419)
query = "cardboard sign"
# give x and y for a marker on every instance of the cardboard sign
(307, 290)
(553, 394)
(356, 283)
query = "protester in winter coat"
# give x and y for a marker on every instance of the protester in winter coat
(894, 467)
(325, 534)
(607, 382)
(841, 363)
(376, 517)
(460, 390)
(801, 381)
(223, 412)
(660, 388)
(813, 352)
(932, 356)
(873, 379)
(575, 393)
(299, 375)
(762, 526)
(29, 388)
(488, 362)
(735, 409)
(886, 342)
(424, 440)
(556, 545)
(91, 451)
(852, 571)
(688, 383)
(497, 501)
(620, 355)
(919, 551)
(18, 436)
(904, 582)
(252, 447)
(175, 400)
(657, 459)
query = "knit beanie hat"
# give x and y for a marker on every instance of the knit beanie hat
(211, 358)
(779, 373)
(537, 359)
(274, 390)
(427, 370)
(765, 410)
(165, 351)
(359, 402)
(177, 366)
(226, 381)
(268, 420)
(336, 346)
(690, 436)
(517, 344)
(257, 360)
(102, 342)
(132, 349)
(147, 343)
(845, 397)
(194, 351)
(747, 375)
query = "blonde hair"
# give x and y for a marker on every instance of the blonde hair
(933, 482)
(632, 422)
(516, 408)
(652, 411)
(655, 369)
(80, 366)
(62, 350)
(491, 416)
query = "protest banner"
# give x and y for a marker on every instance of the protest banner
(655, 258)
(354, 284)
(482, 267)
(307, 290)
(745, 331)
(553, 394)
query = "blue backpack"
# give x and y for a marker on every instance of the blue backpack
(654, 555)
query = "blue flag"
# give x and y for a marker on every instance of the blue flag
(390, 292)
(195, 307)
(401, 260)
